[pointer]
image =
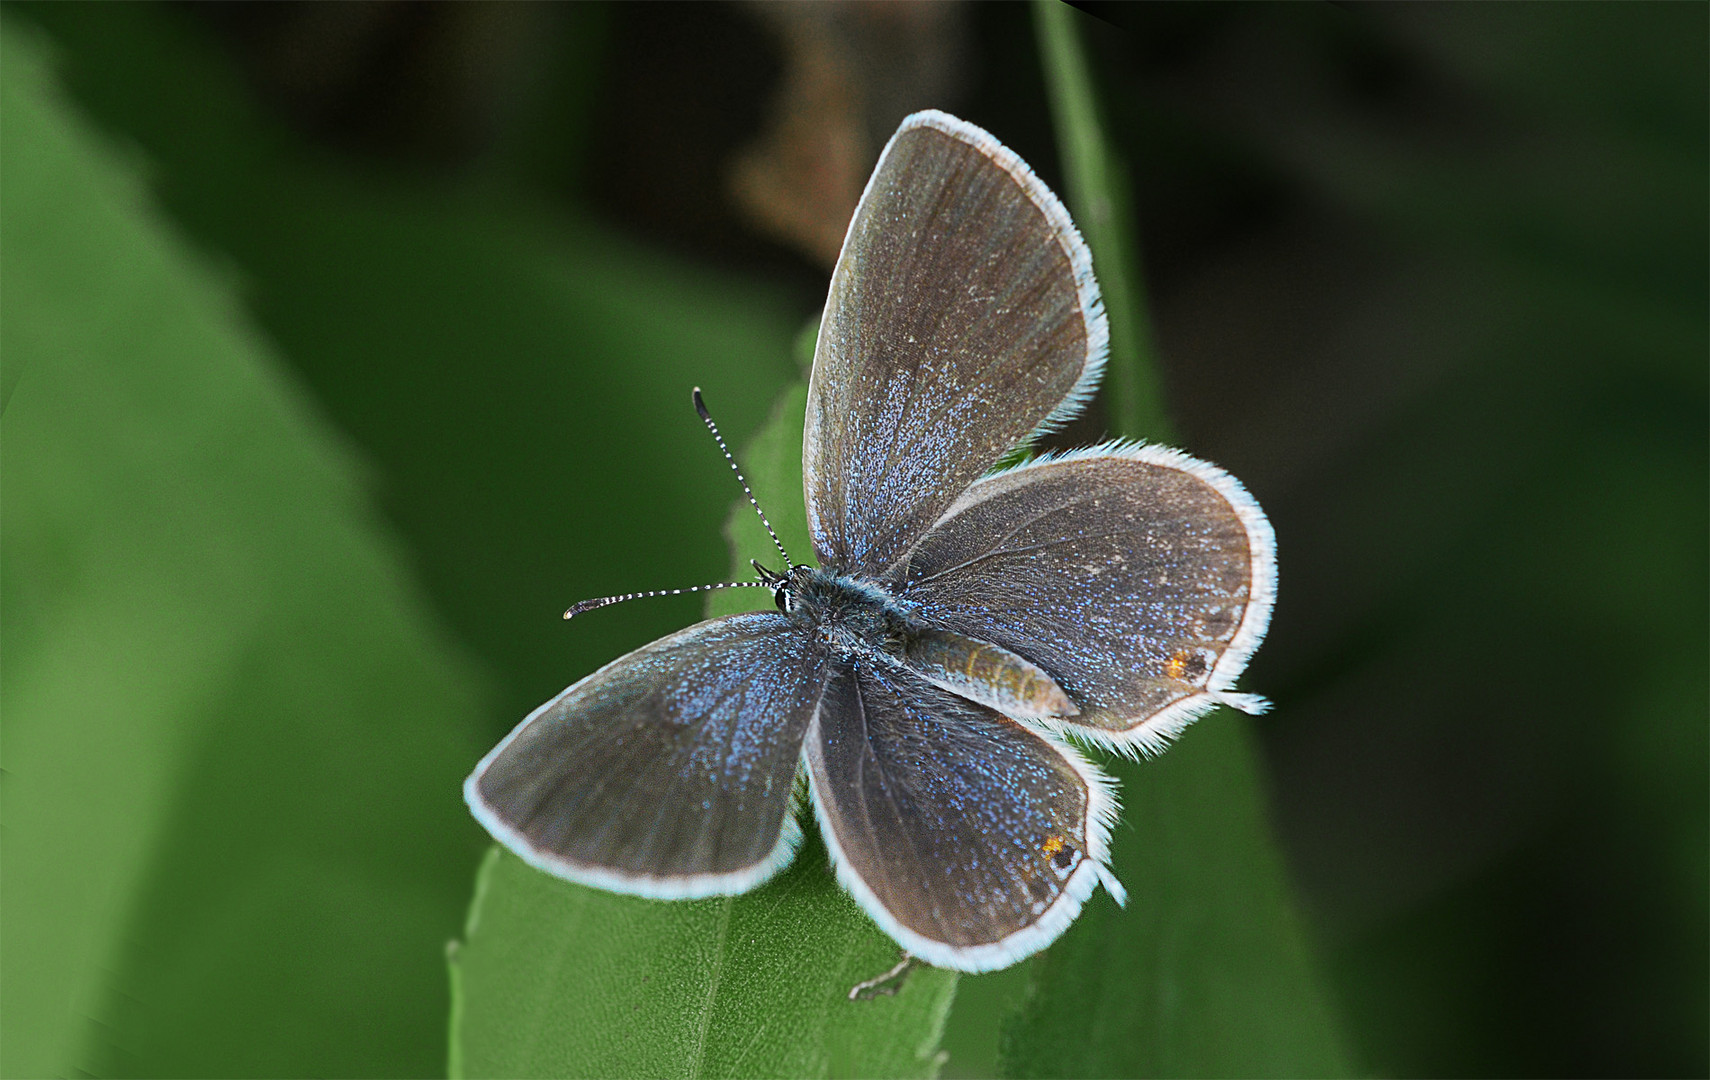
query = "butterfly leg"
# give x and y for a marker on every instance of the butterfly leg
(885, 985)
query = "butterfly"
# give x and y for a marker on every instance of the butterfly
(963, 623)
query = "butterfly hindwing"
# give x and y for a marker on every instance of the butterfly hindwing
(668, 772)
(962, 317)
(1139, 578)
(971, 839)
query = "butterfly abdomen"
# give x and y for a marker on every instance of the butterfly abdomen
(988, 674)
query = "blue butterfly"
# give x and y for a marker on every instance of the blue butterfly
(960, 625)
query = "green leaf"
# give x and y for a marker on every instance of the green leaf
(558, 979)
(232, 727)
(516, 373)
(1206, 972)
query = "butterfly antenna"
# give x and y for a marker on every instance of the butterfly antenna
(706, 418)
(603, 601)
(768, 579)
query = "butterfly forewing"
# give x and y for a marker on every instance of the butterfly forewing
(969, 838)
(962, 316)
(668, 772)
(1138, 578)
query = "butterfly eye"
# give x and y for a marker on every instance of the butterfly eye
(781, 597)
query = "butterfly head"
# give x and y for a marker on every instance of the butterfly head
(787, 586)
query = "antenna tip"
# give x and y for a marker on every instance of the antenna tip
(589, 605)
(701, 406)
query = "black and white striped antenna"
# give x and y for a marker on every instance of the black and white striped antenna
(605, 601)
(768, 580)
(706, 418)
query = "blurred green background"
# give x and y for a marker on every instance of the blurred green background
(344, 345)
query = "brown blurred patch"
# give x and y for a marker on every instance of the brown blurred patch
(852, 71)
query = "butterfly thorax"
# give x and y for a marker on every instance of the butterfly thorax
(858, 621)
(851, 617)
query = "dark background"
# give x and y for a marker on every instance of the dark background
(1431, 279)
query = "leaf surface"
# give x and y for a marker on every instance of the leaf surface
(230, 720)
